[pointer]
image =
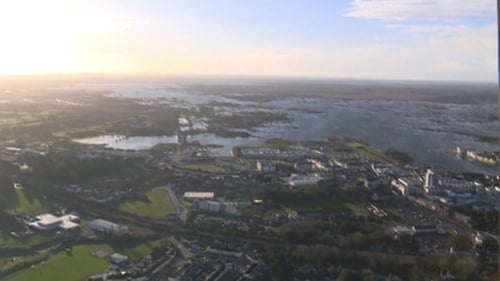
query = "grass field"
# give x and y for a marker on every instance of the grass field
(80, 132)
(76, 267)
(10, 263)
(208, 168)
(137, 251)
(370, 152)
(278, 143)
(9, 241)
(27, 206)
(158, 205)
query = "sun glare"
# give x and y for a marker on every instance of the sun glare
(50, 36)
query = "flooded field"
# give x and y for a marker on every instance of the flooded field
(427, 130)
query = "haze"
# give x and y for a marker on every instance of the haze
(406, 39)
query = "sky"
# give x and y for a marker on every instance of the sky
(375, 39)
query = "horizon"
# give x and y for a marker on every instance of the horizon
(377, 40)
(141, 77)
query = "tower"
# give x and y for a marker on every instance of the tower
(429, 180)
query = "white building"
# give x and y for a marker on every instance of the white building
(429, 180)
(49, 222)
(403, 185)
(118, 259)
(190, 195)
(107, 227)
(302, 181)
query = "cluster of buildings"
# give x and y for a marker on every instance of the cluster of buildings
(145, 269)
(347, 160)
(103, 194)
(206, 261)
(418, 230)
(99, 152)
(445, 191)
(491, 158)
(290, 153)
(70, 223)
(460, 192)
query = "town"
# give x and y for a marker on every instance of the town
(204, 217)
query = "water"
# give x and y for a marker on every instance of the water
(419, 125)
(128, 143)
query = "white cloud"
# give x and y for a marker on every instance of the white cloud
(443, 45)
(399, 10)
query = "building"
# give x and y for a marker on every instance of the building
(458, 186)
(429, 179)
(303, 181)
(265, 167)
(107, 227)
(402, 230)
(403, 186)
(210, 206)
(118, 259)
(49, 222)
(425, 229)
(190, 195)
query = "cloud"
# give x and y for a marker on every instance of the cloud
(400, 10)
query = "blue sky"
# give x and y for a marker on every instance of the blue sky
(389, 39)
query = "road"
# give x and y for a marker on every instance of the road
(182, 211)
(184, 251)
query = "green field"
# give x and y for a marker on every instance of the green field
(9, 241)
(369, 152)
(279, 143)
(80, 132)
(10, 264)
(76, 267)
(139, 250)
(158, 205)
(202, 167)
(27, 206)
